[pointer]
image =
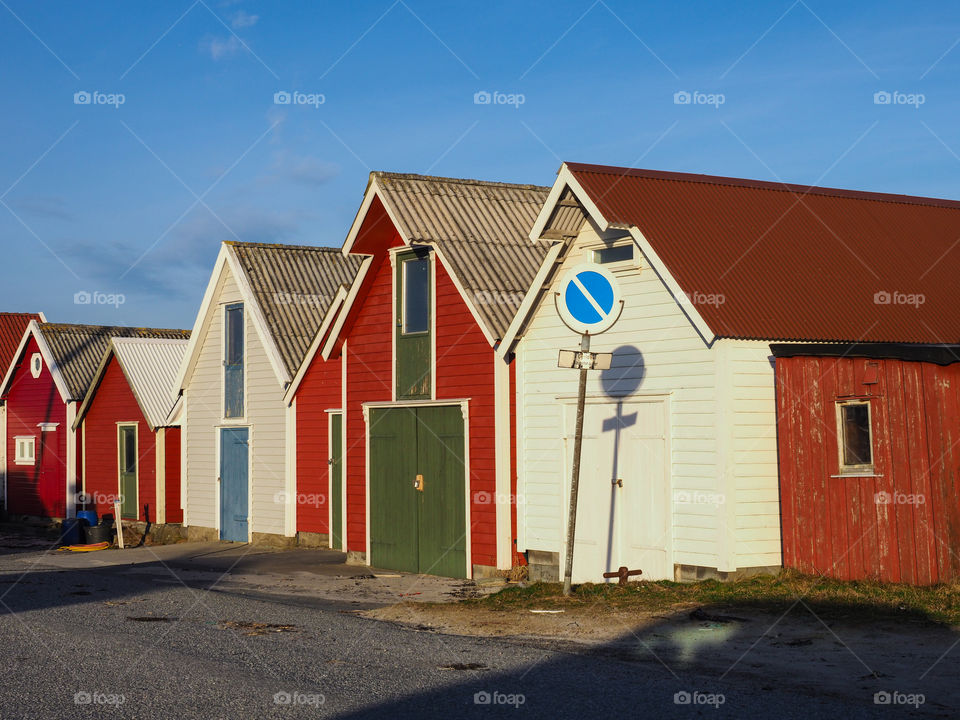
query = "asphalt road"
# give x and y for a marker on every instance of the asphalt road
(81, 643)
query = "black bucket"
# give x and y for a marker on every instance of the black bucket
(98, 534)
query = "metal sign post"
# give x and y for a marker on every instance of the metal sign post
(589, 301)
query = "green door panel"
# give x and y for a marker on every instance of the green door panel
(127, 447)
(442, 516)
(393, 502)
(413, 303)
(336, 480)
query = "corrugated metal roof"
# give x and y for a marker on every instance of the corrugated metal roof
(480, 228)
(792, 262)
(79, 349)
(12, 328)
(294, 286)
(151, 365)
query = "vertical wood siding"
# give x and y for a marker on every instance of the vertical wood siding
(901, 525)
(114, 402)
(172, 469)
(38, 489)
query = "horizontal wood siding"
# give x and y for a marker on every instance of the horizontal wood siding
(265, 415)
(901, 525)
(369, 378)
(464, 369)
(657, 351)
(38, 489)
(113, 403)
(753, 452)
(319, 391)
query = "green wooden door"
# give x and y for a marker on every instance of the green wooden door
(393, 499)
(442, 517)
(413, 325)
(127, 446)
(336, 480)
(418, 527)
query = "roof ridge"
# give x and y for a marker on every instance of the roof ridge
(767, 185)
(281, 246)
(81, 326)
(458, 181)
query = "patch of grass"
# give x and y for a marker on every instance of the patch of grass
(830, 599)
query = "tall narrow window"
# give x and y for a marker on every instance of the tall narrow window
(416, 295)
(856, 443)
(413, 339)
(233, 361)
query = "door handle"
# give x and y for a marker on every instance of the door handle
(418, 483)
(618, 482)
(219, 478)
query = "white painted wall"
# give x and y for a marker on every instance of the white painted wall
(265, 415)
(722, 436)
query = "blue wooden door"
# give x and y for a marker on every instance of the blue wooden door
(234, 501)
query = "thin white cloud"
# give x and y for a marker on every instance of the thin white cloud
(219, 48)
(243, 19)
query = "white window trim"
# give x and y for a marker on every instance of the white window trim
(633, 262)
(23, 459)
(242, 419)
(33, 361)
(861, 469)
(403, 291)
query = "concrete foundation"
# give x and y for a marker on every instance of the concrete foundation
(694, 573)
(313, 540)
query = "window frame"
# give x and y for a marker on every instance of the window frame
(18, 458)
(632, 261)
(404, 263)
(225, 354)
(857, 469)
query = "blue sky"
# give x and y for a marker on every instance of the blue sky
(133, 199)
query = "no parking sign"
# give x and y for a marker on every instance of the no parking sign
(589, 299)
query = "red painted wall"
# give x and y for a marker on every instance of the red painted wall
(319, 391)
(38, 489)
(114, 403)
(902, 525)
(172, 472)
(465, 369)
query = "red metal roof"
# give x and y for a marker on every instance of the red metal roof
(792, 262)
(12, 328)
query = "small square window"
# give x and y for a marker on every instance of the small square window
(25, 448)
(614, 254)
(855, 438)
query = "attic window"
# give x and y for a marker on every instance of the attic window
(613, 254)
(25, 450)
(36, 365)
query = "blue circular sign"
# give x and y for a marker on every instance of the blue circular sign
(589, 299)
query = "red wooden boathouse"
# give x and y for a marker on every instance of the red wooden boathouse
(405, 413)
(131, 433)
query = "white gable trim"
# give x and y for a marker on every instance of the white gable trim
(193, 348)
(259, 321)
(347, 307)
(673, 286)
(526, 306)
(565, 179)
(227, 258)
(33, 330)
(95, 384)
(373, 191)
(468, 301)
(328, 318)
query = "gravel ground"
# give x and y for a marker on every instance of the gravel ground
(113, 641)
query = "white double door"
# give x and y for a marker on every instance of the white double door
(623, 509)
